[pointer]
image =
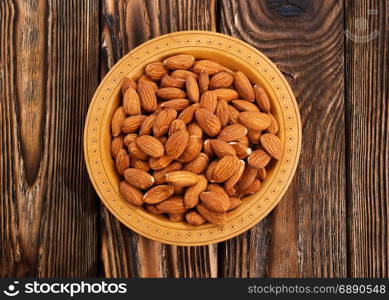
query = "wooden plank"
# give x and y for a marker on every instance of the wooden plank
(308, 227)
(126, 24)
(48, 67)
(367, 114)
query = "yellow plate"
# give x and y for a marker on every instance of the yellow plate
(235, 55)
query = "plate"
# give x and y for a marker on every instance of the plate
(233, 54)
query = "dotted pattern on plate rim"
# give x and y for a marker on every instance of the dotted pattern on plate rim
(155, 229)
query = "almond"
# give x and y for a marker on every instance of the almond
(208, 122)
(192, 89)
(147, 125)
(170, 93)
(176, 217)
(128, 83)
(158, 194)
(176, 104)
(233, 114)
(160, 162)
(254, 136)
(215, 201)
(122, 161)
(187, 114)
(225, 167)
(208, 148)
(243, 86)
(162, 122)
(116, 144)
(197, 165)
(131, 102)
(241, 150)
(140, 164)
(192, 193)
(208, 101)
(176, 143)
(221, 80)
(138, 178)
(272, 144)
(131, 194)
(203, 81)
(194, 218)
(182, 74)
(210, 170)
(253, 188)
(258, 159)
(229, 185)
(214, 187)
(262, 173)
(179, 62)
(210, 216)
(193, 148)
(159, 176)
(226, 94)
(222, 112)
(262, 99)
(243, 140)
(168, 81)
(148, 99)
(232, 133)
(243, 105)
(150, 145)
(195, 129)
(234, 203)
(247, 178)
(173, 205)
(254, 120)
(146, 80)
(273, 128)
(221, 148)
(177, 125)
(129, 138)
(182, 178)
(155, 70)
(117, 121)
(132, 123)
(135, 152)
(208, 66)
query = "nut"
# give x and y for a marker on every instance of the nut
(179, 62)
(138, 178)
(150, 145)
(208, 122)
(158, 194)
(182, 178)
(243, 86)
(130, 193)
(191, 198)
(272, 144)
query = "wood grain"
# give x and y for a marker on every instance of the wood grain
(49, 53)
(127, 24)
(367, 116)
(308, 227)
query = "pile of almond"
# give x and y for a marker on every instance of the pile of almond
(192, 138)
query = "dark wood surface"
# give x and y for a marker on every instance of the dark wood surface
(333, 220)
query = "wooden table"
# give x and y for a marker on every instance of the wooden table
(332, 222)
